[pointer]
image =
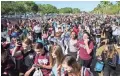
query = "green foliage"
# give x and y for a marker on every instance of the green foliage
(76, 10)
(35, 8)
(47, 8)
(65, 10)
(106, 7)
(8, 7)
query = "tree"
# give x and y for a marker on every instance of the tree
(19, 7)
(65, 10)
(35, 8)
(6, 7)
(106, 7)
(47, 8)
(29, 5)
(76, 10)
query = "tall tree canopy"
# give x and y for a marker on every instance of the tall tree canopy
(107, 7)
(12, 7)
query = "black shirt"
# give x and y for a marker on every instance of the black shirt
(29, 59)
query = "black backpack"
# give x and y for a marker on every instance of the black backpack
(114, 60)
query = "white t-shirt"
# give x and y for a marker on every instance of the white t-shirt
(37, 29)
(72, 48)
(114, 28)
(118, 31)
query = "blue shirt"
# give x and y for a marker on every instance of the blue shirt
(54, 70)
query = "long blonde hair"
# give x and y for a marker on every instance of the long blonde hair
(111, 51)
(59, 54)
(71, 61)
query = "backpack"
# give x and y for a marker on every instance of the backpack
(114, 60)
(99, 66)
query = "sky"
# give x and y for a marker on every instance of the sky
(82, 5)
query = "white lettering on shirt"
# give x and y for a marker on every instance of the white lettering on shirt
(43, 61)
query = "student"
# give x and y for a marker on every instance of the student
(30, 36)
(72, 50)
(16, 47)
(70, 65)
(37, 30)
(75, 29)
(118, 36)
(108, 32)
(28, 54)
(7, 64)
(60, 40)
(85, 47)
(107, 56)
(66, 37)
(80, 33)
(56, 55)
(42, 60)
(98, 36)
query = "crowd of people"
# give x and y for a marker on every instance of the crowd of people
(66, 45)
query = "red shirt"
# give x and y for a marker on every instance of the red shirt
(82, 51)
(44, 60)
(75, 30)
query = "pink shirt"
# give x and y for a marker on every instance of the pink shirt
(75, 30)
(82, 50)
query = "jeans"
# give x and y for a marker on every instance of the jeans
(86, 63)
(108, 71)
(117, 72)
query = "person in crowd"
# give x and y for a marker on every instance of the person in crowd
(37, 30)
(118, 36)
(108, 32)
(56, 55)
(28, 54)
(45, 37)
(29, 27)
(75, 29)
(7, 63)
(85, 47)
(98, 36)
(114, 33)
(71, 49)
(19, 58)
(66, 36)
(42, 60)
(80, 33)
(60, 40)
(71, 67)
(107, 56)
(30, 36)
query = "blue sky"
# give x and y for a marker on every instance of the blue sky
(82, 5)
